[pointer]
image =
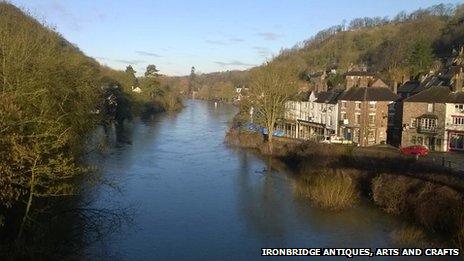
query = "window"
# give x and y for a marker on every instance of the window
(357, 118)
(330, 120)
(371, 135)
(343, 115)
(430, 107)
(438, 142)
(413, 139)
(358, 105)
(420, 141)
(428, 123)
(372, 119)
(458, 120)
(413, 124)
(459, 108)
(343, 104)
(372, 105)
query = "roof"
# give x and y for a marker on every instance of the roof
(410, 87)
(452, 71)
(456, 97)
(328, 97)
(429, 116)
(378, 83)
(369, 94)
(437, 94)
(303, 96)
(359, 73)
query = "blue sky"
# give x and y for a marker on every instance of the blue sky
(210, 35)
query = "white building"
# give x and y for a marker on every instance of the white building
(454, 123)
(313, 117)
(326, 112)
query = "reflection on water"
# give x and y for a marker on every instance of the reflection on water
(198, 198)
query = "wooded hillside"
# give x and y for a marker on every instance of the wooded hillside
(399, 48)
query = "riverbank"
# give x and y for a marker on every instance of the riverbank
(426, 195)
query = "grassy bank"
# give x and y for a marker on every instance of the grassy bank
(335, 176)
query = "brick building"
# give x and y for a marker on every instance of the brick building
(423, 118)
(363, 114)
(359, 79)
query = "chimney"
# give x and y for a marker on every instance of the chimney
(456, 86)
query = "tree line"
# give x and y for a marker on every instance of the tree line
(51, 97)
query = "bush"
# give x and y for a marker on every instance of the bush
(336, 191)
(409, 236)
(430, 205)
(458, 239)
(391, 192)
(244, 139)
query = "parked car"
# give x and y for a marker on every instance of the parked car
(415, 150)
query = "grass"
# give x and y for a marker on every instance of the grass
(409, 236)
(335, 192)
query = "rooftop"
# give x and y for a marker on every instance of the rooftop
(437, 94)
(369, 94)
(360, 73)
(328, 97)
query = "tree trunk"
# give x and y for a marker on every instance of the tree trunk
(270, 137)
(29, 201)
(28, 207)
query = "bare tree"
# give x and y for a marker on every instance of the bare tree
(270, 87)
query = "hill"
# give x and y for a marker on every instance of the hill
(404, 47)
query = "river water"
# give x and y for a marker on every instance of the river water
(196, 198)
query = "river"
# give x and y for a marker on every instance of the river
(196, 198)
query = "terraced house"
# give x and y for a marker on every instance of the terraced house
(312, 116)
(363, 114)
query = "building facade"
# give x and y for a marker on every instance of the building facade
(454, 122)
(315, 118)
(363, 115)
(359, 79)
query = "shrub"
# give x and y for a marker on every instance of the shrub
(409, 236)
(244, 139)
(336, 191)
(430, 205)
(458, 239)
(390, 192)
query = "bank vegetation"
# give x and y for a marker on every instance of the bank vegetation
(337, 177)
(52, 96)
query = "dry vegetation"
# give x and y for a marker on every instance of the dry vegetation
(409, 236)
(431, 198)
(331, 190)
